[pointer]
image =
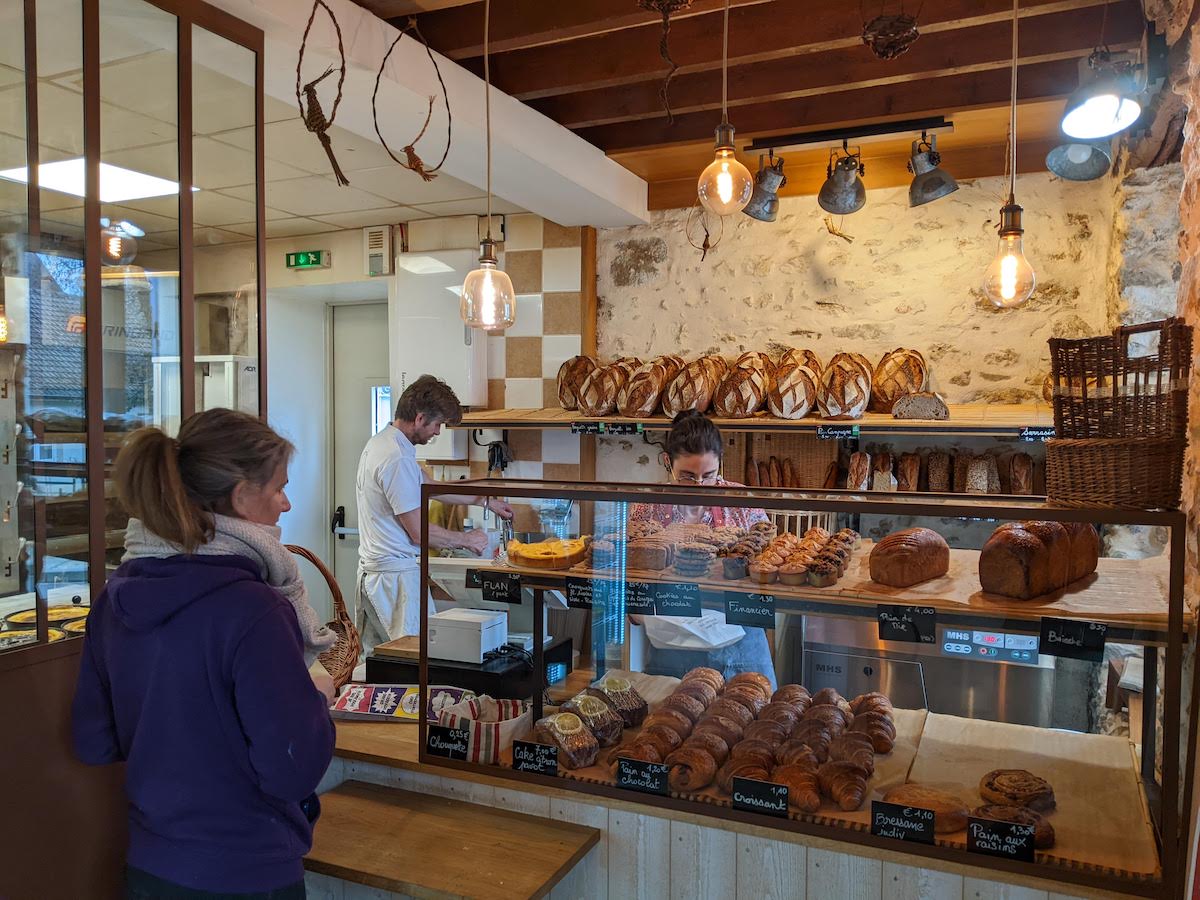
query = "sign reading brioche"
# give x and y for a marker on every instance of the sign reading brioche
(898, 373)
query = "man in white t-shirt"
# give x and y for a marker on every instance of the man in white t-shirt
(388, 489)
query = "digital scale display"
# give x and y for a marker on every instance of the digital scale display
(992, 646)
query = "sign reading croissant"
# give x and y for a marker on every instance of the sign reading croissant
(790, 386)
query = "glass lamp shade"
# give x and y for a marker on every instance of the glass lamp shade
(488, 300)
(1102, 107)
(117, 247)
(725, 186)
(1010, 279)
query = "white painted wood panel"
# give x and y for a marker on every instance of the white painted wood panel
(639, 856)
(589, 879)
(840, 876)
(913, 883)
(984, 889)
(703, 862)
(770, 870)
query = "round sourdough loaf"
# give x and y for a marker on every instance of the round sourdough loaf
(794, 391)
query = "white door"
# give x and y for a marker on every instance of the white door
(362, 404)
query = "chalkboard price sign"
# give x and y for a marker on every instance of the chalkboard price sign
(751, 795)
(639, 598)
(904, 823)
(449, 743)
(1005, 839)
(541, 759)
(677, 600)
(911, 624)
(836, 432)
(498, 587)
(1073, 638)
(647, 777)
(756, 610)
(579, 592)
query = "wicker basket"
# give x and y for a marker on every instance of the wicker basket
(340, 659)
(1120, 419)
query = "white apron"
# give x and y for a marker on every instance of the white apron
(387, 602)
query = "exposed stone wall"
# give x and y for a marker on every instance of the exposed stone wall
(1189, 302)
(910, 278)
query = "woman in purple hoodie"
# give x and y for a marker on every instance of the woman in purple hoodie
(194, 670)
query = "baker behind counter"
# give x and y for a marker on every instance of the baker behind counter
(388, 489)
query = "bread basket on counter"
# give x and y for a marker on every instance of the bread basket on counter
(1120, 418)
(340, 659)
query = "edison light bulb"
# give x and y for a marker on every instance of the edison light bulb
(1010, 278)
(488, 301)
(725, 186)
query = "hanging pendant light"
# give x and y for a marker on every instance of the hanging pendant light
(725, 186)
(1081, 160)
(930, 181)
(843, 191)
(488, 300)
(1010, 279)
(1106, 100)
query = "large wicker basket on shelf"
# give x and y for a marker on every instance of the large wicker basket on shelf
(1120, 418)
(340, 659)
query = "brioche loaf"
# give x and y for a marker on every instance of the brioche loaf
(1029, 559)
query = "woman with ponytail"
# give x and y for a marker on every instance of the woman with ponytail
(195, 669)
(692, 458)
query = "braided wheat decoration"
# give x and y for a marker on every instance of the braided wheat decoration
(412, 161)
(666, 8)
(314, 117)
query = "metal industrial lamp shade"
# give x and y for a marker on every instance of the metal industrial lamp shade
(930, 180)
(1105, 102)
(843, 191)
(1080, 160)
(764, 202)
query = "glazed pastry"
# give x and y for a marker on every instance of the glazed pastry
(711, 676)
(740, 768)
(731, 709)
(843, 783)
(1017, 787)
(691, 769)
(1043, 831)
(797, 753)
(759, 751)
(711, 743)
(783, 713)
(756, 678)
(621, 695)
(640, 750)
(855, 748)
(774, 733)
(871, 702)
(701, 690)
(598, 716)
(688, 705)
(878, 728)
(726, 729)
(817, 735)
(577, 747)
(949, 812)
(664, 739)
(673, 719)
(804, 788)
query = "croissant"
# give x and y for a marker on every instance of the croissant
(673, 719)
(686, 704)
(804, 788)
(797, 753)
(830, 697)
(639, 749)
(795, 694)
(843, 783)
(855, 748)
(740, 768)
(700, 689)
(711, 676)
(711, 743)
(747, 695)
(783, 713)
(832, 717)
(878, 728)
(691, 769)
(731, 709)
(664, 739)
(772, 733)
(756, 678)
(872, 702)
(759, 751)
(816, 734)
(726, 729)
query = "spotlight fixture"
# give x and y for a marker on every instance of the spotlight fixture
(725, 185)
(930, 181)
(488, 300)
(1106, 100)
(843, 191)
(1010, 279)
(1080, 160)
(764, 204)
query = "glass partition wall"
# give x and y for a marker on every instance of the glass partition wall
(131, 223)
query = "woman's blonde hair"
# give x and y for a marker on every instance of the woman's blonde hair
(174, 485)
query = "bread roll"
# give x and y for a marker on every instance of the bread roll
(859, 477)
(793, 391)
(640, 395)
(571, 375)
(692, 388)
(805, 358)
(845, 389)
(899, 373)
(908, 557)
(742, 393)
(908, 472)
(599, 392)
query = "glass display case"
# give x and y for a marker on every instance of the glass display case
(927, 686)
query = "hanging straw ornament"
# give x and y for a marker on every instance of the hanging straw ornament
(889, 36)
(314, 116)
(666, 8)
(689, 228)
(412, 161)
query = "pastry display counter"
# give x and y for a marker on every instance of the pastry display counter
(686, 695)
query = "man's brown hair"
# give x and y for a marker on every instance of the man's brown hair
(432, 397)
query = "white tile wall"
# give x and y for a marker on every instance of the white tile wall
(560, 446)
(561, 269)
(523, 393)
(495, 357)
(556, 350)
(529, 317)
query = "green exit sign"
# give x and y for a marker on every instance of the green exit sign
(308, 259)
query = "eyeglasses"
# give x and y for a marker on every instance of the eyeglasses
(689, 478)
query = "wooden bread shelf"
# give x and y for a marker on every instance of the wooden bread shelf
(980, 419)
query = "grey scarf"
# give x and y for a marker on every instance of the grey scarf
(261, 545)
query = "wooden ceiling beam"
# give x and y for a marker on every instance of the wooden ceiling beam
(1059, 35)
(756, 34)
(930, 95)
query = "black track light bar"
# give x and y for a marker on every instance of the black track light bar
(931, 124)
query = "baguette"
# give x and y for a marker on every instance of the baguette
(776, 473)
(789, 474)
(751, 473)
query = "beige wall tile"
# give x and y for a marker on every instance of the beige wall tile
(554, 235)
(549, 393)
(523, 232)
(525, 444)
(495, 393)
(562, 313)
(562, 269)
(560, 472)
(524, 267)
(523, 357)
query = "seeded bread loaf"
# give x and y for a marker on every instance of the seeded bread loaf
(939, 473)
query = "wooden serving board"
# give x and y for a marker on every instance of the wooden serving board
(1101, 823)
